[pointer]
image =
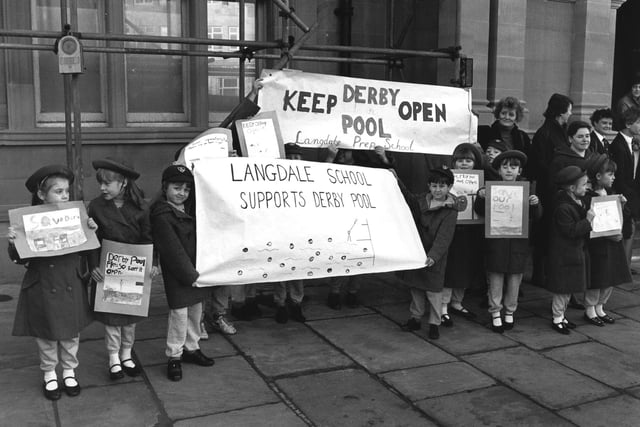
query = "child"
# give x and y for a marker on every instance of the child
(606, 254)
(435, 214)
(174, 236)
(53, 305)
(568, 256)
(464, 266)
(494, 148)
(122, 216)
(506, 258)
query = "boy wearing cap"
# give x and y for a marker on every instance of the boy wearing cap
(568, 255)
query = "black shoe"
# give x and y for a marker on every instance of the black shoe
(434, 332)
(446, 321)
(594, 320)
(573, 303)
(282, 315)
(352, 300)
(54, 394)
(131, 371)
(116, 375)
(295, 310)
(507, 326)
(174, 370)
(333, 301)
(607, 319)
(560, 327)
(197, 357)
(462, 312)
(568, 324)
(411, 325)
(71, 391)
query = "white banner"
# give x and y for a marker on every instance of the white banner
(318, 110)
(262, 220)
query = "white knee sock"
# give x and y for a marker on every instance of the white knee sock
(600, 310)
(114, 359)
(591, 312)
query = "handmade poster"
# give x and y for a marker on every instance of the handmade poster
(262, 220)
(608, 219)
(317, 110)
(126, 269)
(507, 210)
(260, 136)
(467, 183)
(52, 229)
(210, 144)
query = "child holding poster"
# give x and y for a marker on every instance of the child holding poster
(435, 214)
(465, 250)
(173, 227)
(568, 255)
(506, 258)
(123, 216)
(53, 305)
(608, 260)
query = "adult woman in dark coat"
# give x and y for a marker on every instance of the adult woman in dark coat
(577, 153)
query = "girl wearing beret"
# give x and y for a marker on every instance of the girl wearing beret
(53, 303)
(173, 227)
(122, 216)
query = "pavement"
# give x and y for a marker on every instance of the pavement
(352, 367)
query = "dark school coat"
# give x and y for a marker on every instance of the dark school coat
(436, 227)
(519, 139)
(465, 260)
(597, 146)
(564, 157)
(53, 303)
(128, 224)
(608, 260)
(174, 238)
(625, 183)
(568, 262)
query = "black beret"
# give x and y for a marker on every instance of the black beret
(177, 173)
(595, 163)
(442, 172)
(116, 165)
(34, 181)
(292, 148)
(568, 175)
(509, 154)
(498, 144)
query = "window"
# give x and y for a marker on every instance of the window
(216, 33)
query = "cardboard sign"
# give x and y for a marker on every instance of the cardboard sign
(52, 229)
(126, 269)
(316, 110)
(210, 144)
(260, 136)
(608, 219)
(507, 210)
(265, 220)
(467, 183)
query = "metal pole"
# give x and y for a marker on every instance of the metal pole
(241, 64)
(492, 53)
(390, 30)
(298, 44)
(68, 100)
(77, 116)
(284, 6)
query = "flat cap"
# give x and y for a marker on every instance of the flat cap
(442, 172)
(34, 181)
(568, 175)
(509, 154)
(116, 165)
(177, 173)
(498, 144)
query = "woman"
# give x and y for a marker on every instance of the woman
(577, 153)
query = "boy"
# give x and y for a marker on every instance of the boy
(435, 214)
(568, 254)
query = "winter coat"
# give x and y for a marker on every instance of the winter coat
(519, 139)
(174, 238)
(436, 226)
(568, 263)
(53, 303)
(548, 139)
(608, 260)
(466, 250)
(625, 183)
(127, 224)
(562, 158)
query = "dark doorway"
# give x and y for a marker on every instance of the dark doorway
(627, 50)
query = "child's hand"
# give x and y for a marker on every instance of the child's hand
(590, 215)
(12, 235)
(92, 224)
(96, 275)
(379, 150)
(616, 237)
(533, 200)
(482, 193)
(333, 152)
(258, 84)
(430, 262)
(155, 271)
(394, 173)
(622, 198)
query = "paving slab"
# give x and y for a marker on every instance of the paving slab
(21, 401)
(93, 368)
(630, 286)
(624, 335)
(536, 333)
(94, 331)
(463, 338)
(630, 312)
(619, 411)
(378, 344)
(529, 292)
(273, 415)
(621, 298)
(280, 349)
(151, 352)
(152, 327)
(381, 289)
(494, 406)
(605, 364)
(110, 406)
(437, 380)
(230, 384)
(349, 398)
(17, 352)
(12, 290)
(545, 381)
(542, 307)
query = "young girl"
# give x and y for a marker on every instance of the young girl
(122, 216)
(608, 260)
(53, 303)
(173, 228)
(568, 256)
(506, 258)
(464, 265)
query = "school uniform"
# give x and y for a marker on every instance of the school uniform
(174, 238)
(599, 143)
(627, 180)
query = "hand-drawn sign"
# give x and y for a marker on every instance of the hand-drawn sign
(467, 183)
(260, 136)
(608, 219)
(507, 210)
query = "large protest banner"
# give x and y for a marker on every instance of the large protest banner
(262, 220)
(318, 110)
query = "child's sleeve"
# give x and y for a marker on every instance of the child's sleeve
(444, 236)
(567, 224)
(411, 199)
(170, 248)
(479, 204)
(13, 255)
